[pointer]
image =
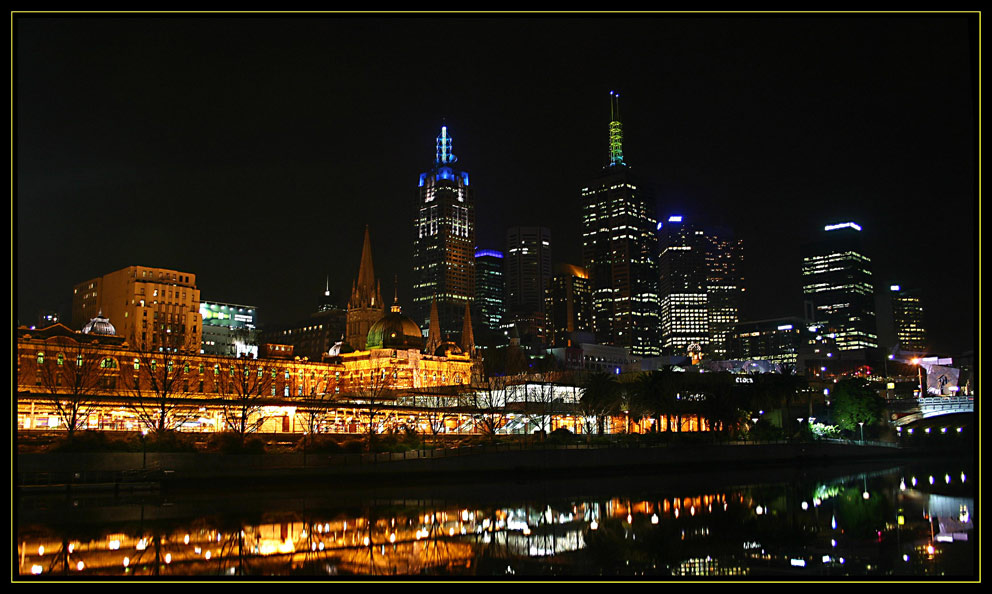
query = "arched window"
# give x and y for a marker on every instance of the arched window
(137, 364)
(60, 359)
(41, 358)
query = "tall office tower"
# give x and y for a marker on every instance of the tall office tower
(365, 306)
(528, 271)
(489, 287)
(724, 288)
(683, 282)
(444, 244)
(837, 283)
(618, 245)
(568, 306)
(152, 308)
(907, 319)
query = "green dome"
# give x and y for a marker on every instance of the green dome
(395, 331)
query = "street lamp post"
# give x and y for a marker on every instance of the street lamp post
(144, 434)
(862, 425)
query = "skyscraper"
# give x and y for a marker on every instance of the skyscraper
(700, 287)
(489, 287)
(444, 242)
(907, 319)
(724, 288)
(618, 245)
(683, 282)
(837, 283)
(527, 268)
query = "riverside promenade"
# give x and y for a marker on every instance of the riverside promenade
(129, 471)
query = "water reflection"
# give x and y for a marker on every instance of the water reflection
(910, 521)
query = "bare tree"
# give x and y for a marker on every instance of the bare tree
(313, 407)
(246, 385)
(437, 404)
(72, 374)
(157, 386)
(489, 401)
(372, 390)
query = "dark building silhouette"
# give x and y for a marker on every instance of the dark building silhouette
(568, 307)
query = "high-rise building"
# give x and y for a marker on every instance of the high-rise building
(228, 329)
(444, 242)
(778, 340)
(907, 319)
(700, 287)
(724, 287)
(568, 307)
(365, 307)
(618, 246)
(528, 271)
(683, 282)
(152, 308)
(490, 287)
(837, 284)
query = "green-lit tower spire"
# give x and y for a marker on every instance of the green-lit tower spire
(616, 131)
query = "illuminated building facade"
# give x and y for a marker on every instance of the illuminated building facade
(683, 282)
(490, 287)
(837, 282)
(228, 329)
(155, 309)
(568, 307)
(199, 383)
(907, 318)
(444, 241)
(724, 288)
(618, 246)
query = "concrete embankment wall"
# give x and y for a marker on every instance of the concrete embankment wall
(178, 468)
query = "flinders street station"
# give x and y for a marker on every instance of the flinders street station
(141, 367)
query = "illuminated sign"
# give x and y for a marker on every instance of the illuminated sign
(895, 288)
(785, 327)
(675, 219)
(854, 226)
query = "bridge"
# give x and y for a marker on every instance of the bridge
(936, 406)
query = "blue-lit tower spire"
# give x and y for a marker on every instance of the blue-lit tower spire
(444, 155)
(444, 241)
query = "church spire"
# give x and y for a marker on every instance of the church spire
(434, 331)
(616, 131)
(468, 339)
(366, 274)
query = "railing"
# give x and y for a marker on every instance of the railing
(433, 453)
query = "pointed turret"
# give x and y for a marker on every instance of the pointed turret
(468, 339)
(434, 331)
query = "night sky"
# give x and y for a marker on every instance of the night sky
(252, 151)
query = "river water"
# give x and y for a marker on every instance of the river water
(870, 520)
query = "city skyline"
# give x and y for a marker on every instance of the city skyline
(252, 152)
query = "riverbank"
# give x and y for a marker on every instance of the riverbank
(137, 471)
